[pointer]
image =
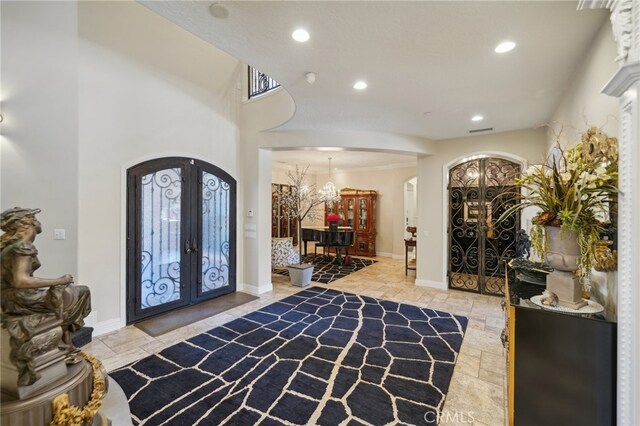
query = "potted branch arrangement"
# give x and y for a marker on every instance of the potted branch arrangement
(301, 202)
(576, 192)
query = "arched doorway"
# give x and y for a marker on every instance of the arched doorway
(181, 235)
(410, 203)
(478, 246)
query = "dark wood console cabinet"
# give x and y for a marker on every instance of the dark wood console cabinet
(357, 209)
(561, 367)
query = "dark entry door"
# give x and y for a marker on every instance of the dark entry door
(478, 246)
(181, 235)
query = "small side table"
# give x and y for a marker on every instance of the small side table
(407, 244)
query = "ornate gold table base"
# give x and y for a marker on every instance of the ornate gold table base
(78, 383)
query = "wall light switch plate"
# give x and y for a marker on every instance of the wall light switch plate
(59, 234)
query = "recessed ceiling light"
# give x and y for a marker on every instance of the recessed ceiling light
(477, 118)
(300, 35)
(360, 85)
(218, 11)
(505, 46)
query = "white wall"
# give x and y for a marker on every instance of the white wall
(582, 106)
(146, 89)
(88, 90)
(528, 144)
(256, 115)
(279, 175)
(39, 142)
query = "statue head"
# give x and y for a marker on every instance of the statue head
(14, 220)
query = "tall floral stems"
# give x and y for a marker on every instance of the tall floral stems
(301, 201)
(576, 191)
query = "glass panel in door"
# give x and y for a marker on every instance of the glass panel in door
(465, 210)
(500, 238)
(362, 214)
(350, 209)
(215, 233)
(160, 266)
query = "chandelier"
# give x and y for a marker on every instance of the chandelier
(328, 192)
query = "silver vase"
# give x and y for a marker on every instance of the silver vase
(563, 256)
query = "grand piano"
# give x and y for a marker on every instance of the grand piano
(340, 238)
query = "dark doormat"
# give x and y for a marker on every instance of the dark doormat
(184, 316)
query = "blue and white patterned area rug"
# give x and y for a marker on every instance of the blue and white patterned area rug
(317, 357)
(326, 270)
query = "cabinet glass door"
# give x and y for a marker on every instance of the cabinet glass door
(362, 214)
(350, 211)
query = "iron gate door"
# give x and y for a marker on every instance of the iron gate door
(478, 247)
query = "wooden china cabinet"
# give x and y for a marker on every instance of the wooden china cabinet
(357, 209)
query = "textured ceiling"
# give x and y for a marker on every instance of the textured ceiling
(417, 57)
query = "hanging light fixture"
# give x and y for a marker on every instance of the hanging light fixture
(329, 192)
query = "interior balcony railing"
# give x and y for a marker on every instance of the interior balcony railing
(260, 83)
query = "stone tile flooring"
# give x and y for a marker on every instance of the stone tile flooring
(478, 387)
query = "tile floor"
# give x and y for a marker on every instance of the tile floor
(477, 391)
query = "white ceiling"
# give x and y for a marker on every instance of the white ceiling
(416, 56)
(318, 161)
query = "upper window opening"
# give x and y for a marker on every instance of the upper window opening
(260, 83)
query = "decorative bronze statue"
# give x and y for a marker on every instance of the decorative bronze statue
(523, 244)
(37, 313)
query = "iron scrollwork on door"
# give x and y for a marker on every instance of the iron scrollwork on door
(215, 232)
(478, 246)
(181, 233)
(161, 194)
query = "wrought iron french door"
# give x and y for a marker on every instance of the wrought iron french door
(479, 192)
(181, 235)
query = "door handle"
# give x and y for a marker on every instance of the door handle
(187, 249)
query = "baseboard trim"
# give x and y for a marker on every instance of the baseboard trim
(432, 284)
(391, 255)
(104, 327)
(256, 290)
